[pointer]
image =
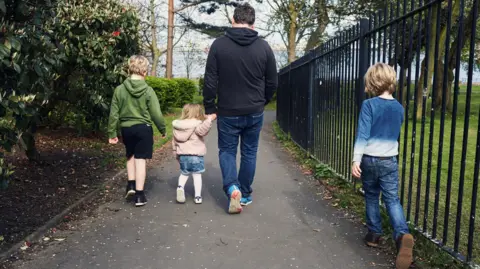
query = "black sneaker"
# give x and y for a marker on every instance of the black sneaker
(130, 189)
(140, 199)
(373, 240)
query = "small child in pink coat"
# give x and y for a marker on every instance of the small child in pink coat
(189, 147)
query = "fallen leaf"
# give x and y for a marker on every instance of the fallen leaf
(46, 239)
(59, 239)
(317, 230)
(2, 238)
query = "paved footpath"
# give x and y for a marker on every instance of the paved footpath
(287, 226)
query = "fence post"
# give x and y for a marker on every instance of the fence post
(363, 63)
(311, 86)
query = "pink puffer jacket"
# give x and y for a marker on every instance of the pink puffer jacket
(188, 136)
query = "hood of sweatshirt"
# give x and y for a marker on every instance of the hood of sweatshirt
(183, 129)
(242, 36)
(135, 87)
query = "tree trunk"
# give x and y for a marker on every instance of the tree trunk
(292, 33)
(447, 89)
(169, 63)
(28, 139)
(431, 56)
(153, 47)
(322, 21)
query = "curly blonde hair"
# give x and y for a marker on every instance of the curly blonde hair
(380, 78)
(193, 111)
(138, 65)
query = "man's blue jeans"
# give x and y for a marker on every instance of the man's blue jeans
(230, 130)
(381, 175)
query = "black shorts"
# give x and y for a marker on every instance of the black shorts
(138, 140)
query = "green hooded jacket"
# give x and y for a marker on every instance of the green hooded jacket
(134, 102)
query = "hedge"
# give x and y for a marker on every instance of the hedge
(201, 81)
(168, 92)
(187, 91)
(172, 93)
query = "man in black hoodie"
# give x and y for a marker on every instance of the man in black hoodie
(241, 71)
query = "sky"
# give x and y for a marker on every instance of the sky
(200, 42)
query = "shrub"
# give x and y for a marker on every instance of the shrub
(187, 91)
(198, 99)
(167, 90)
(201, 81)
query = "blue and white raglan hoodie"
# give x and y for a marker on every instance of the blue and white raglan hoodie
(378, 128)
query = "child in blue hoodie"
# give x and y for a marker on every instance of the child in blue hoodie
(375, 160)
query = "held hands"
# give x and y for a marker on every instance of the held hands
(356, 171)
(113, 140)
(212, 117)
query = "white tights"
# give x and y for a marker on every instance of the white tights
(197, 183)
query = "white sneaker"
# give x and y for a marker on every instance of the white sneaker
(198, 200)
(180, 195)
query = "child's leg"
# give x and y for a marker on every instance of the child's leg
(131, 169)
(182, 180)
(197, 183)
(131, 177)
(372, 199)
(371, 187)
(389, 185)
(404, 240)
(140, 173)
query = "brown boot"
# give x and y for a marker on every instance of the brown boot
(405, 251)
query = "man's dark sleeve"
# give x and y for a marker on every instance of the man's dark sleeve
(210, 82)
(271, 76)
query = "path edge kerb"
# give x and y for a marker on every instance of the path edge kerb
(37, 234)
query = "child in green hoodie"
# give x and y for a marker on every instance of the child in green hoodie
(135, 107)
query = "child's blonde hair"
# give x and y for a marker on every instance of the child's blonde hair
(138, 65)
(380, 78)
(193, 111)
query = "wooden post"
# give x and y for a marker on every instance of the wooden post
(169, 63)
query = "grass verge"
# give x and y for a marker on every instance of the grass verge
(169, 118)
(344, 197)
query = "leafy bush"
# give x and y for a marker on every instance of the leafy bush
(198, 99)
(187, 91)
(201, 82)
(167, 90)
(69, 51)
(97, 39)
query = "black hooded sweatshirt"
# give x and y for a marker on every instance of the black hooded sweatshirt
(242, 71)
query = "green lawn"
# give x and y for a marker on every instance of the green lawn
(415, 180)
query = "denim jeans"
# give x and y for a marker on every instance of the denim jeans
(191, 164)
(381, 175)
(230, 130)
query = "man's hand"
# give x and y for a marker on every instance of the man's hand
(113, 140)
(356, 171)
